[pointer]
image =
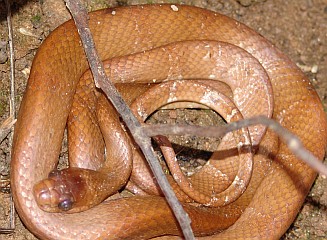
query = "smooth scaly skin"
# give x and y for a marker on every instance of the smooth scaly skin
(59, 64)
(210, 60)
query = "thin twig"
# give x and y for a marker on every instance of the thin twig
(12, 62)
(291, 140)
(80, 17)
(7, 125)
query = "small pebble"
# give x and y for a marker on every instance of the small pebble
(173, 114)
(27, 32)
(26, 71)
(314, 68)
(245, 3)
(201, 162)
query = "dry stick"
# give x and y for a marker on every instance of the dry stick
(12, 103)
(12, 62)
(140, 133)
(80, 17)
(9, 122)
(7, 125)
(291, 140)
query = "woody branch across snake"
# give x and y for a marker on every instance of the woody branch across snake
(241, 229)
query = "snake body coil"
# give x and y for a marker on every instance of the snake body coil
(265, 212)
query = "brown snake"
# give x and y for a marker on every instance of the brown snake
(277, 188)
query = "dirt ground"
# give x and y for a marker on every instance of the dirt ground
(298, 28)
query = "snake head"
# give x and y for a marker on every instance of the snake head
(59, 192)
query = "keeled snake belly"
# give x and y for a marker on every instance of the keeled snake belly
(269, 205)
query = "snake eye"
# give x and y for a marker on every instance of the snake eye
(65, 205)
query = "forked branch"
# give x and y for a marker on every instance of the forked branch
(144, 142)
(142, 133)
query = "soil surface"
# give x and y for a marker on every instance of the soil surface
(298, 28)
